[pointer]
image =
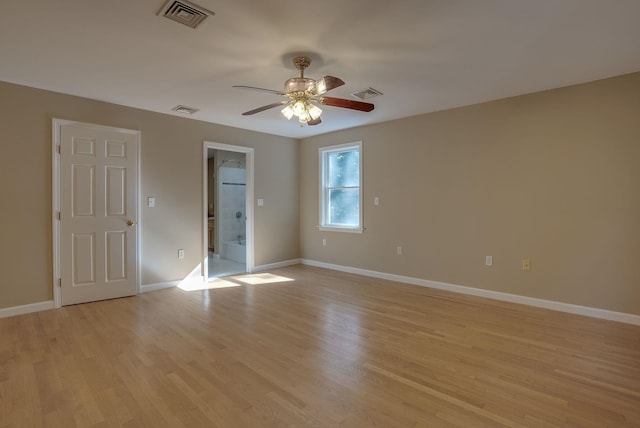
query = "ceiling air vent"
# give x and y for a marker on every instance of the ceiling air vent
(366, 93)
(184, 12)
(185, 109)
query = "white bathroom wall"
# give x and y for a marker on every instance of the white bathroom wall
(231, 197)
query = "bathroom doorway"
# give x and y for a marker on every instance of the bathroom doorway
(228, 210)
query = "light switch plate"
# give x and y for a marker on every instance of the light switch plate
(151, 201)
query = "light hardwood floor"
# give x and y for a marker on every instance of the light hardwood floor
(326, 349)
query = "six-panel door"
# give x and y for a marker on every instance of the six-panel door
(98, 172)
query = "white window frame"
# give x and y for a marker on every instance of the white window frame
(323, 155)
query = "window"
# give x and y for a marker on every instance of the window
(340, 187)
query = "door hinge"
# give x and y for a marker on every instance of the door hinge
(59, 282)
(59, 149)
(59, 215)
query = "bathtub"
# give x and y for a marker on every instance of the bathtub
(235, 251)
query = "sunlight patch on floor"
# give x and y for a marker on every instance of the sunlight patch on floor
(261, 278)
(193, 283)
(211, 284)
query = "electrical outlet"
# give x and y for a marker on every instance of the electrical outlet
(324, 242)
(488, 261)
(151, 202)
(526, 265)
(399, 250)
(181, 253)
(376, 201)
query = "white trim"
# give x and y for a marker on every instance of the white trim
(159, 286)
(340, 229)
(496, 295)
(277, 265)
(138, 211)
(205, 212)
(55, 192)
(249, 167)
(56, 127)
(26, 309)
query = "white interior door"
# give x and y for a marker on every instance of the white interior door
(98, 213)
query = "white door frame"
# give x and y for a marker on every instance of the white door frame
(55, 170)
(248, 151)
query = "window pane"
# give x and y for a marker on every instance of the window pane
(344, 207)
(344, 168)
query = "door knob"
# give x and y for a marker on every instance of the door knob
(130, 223)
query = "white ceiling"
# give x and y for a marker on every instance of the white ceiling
(424, 55)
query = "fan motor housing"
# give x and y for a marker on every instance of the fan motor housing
(298, 84)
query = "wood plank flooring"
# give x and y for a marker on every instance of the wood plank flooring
(322, 349)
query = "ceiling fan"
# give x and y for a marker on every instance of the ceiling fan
(303, 95)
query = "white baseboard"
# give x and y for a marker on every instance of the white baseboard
(496, 295)
(277, 265)
(26, 309)
(159, 286)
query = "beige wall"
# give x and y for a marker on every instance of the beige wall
(170, 170)
(553, 177)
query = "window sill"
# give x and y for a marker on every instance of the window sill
(341, 229)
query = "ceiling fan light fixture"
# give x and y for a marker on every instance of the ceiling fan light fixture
(299, 108)
(288, 112)
(303, 109)
(314, 111)
(304, 94)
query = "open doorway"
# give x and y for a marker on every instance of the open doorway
(228, 210)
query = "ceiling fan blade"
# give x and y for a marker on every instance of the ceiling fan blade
(325, 84)
(341, 102)
(314, 122)
(263, 108)
(253, 88)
